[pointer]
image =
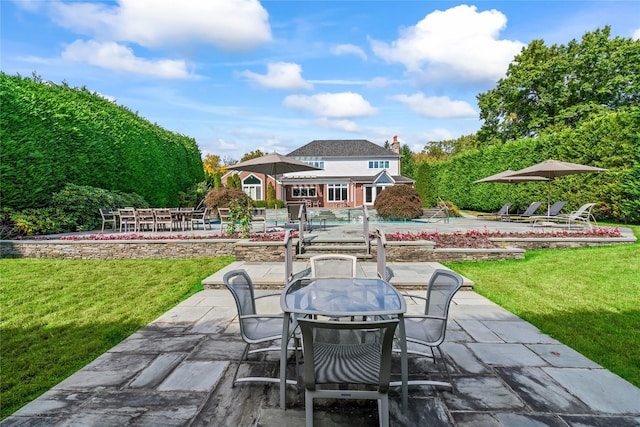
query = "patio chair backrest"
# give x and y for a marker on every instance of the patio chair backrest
(584, 211)
(556, 208)
(333, 265)
(533, 207)
(241, 287)
(504, 210)
(347, 353)
(440, 291)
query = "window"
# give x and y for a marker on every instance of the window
(378, 164)
(337, 192)
(303, 192)
(318, 164)
(253, 187)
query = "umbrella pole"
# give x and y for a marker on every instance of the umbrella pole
(549, 197)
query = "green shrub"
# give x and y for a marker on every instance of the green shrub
(8, 228)
(36, 222)
(222, 197)
(194, 195)
(81, 205)
(399, 202)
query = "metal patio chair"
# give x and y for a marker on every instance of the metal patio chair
(254, 328)
(428, 330)
(347, 354)
(333, 265)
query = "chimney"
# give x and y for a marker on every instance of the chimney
(396, 145)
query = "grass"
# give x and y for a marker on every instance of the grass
(59, 315)
(586, 298)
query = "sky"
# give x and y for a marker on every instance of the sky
(244, 75)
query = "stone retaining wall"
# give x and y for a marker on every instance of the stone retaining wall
(244, 250)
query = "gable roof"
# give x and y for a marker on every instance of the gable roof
(342, 148)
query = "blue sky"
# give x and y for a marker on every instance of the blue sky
(242, 75)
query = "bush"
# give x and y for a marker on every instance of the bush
(399, 202)
(35, 222)
(194, 195)
(222, 197)
(81, 205)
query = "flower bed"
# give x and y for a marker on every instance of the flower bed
(477, 239)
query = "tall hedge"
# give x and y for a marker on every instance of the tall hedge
(609, 141)
(51, 135)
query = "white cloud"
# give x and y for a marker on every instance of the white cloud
(227, 24)
(331, 105)
(116, 57)
(280, 75)
(440, 107)
(459, 41)
(349, 49)
(437, 134)
(636, 34)
(343, 125)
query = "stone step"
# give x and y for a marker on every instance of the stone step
(360, 255)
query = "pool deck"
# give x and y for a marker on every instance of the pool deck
(177, 372)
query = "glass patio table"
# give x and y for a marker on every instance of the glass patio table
(341, 297)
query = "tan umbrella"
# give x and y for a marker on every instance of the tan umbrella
(507, 177)
(273, 164)
(552, 169)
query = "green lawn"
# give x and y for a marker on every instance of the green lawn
(59, 315)
(586, 298)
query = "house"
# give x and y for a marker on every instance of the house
(353, 173)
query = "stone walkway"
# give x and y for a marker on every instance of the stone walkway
(177, 372)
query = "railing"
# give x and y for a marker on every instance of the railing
(288, 256)
(381, 257)
(302, 220)
(365, 228)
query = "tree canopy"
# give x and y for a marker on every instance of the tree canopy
(558, 86)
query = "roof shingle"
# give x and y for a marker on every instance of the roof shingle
(342, 148)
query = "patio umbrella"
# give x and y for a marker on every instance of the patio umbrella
(273, 164)
(507, 177)
(552, 169)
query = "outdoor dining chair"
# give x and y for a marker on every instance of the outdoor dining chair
(333, 265)
(254, 328)
(200, 218)
(128, 219)
(428, 330)
(109, 217)
(163, 219)
(145, 219)
(344, 354)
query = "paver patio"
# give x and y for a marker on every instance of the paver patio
(176, 372)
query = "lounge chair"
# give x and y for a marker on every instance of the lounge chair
(504, 210)
(582, 217)
(551, 213)
(533, 207)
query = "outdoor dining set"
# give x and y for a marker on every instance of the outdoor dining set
(155, 219)
(344, 331)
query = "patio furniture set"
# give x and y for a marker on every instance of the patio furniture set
(345, 331)
(155, 219)
(582, 217)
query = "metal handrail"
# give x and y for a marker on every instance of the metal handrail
(365, 228)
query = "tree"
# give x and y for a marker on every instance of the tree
(407, 162)
(559, 86)
(252, 155)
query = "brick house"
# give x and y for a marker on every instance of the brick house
(352, 173)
